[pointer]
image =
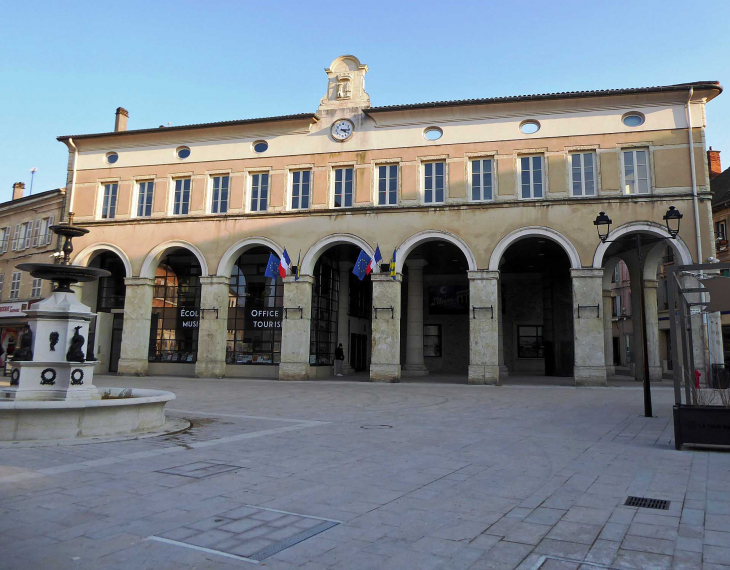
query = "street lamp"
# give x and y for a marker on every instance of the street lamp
(603, 226)
(672, 218)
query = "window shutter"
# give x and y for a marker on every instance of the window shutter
(6, 239)
(15, 238)
(28, 234)
(49, 232)
(36, 233)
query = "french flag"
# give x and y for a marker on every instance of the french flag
(375, 261)
(284, 264)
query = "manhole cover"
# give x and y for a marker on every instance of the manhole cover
(646, 503)
(383, 426)
(248, 533)
(200, 469)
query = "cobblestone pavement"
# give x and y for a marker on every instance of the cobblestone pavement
(355, 475)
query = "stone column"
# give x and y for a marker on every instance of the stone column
(385, 352)
(484, 327)
(608, 333)
(590, 362)
(651, 314)
(137, 318)
(415, 365)
(343, 318)
(295, 328)
(503, 370)
(212, 330)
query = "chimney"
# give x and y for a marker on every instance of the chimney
(18, 188)
(713, 160)
(120, 119)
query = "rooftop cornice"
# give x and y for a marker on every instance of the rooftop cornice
(25, 200)
(699, 85)
(311, 117)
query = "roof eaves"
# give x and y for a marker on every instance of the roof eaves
(31, 197)
(548, 96)
(311, 116)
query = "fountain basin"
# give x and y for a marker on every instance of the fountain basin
(67, 419)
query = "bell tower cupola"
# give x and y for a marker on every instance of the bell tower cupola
(346, 84)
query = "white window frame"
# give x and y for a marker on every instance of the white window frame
(211, 189)
(138, 191)
(290, 186)
(2, 284)
(22, 237)
(470, 179)
(15, 285)
(582, 154)
(333, 184)
(6, 234)
(102, 194)
(434, 161)
(543, 171)
(173, 186)
(634, 150)
(43, 234)
(376, 178)
(721, 229)
(249, 197)
(36, 287)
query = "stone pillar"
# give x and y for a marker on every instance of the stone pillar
(295, 328)
(608, 333)
(343, 318)
(415, 365)
(385, 352)
(484, 327)
(137, 318)
(651, 315)
(590, 362)
(212, 329)
(503, 370)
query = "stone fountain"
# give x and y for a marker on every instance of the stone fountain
(51, 393)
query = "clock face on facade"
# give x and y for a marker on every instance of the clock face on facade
(342, 130)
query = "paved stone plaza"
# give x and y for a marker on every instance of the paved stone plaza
(355, 475)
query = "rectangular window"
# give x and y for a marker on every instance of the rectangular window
(617, 305)
(343, 187)
(636, 171)
(145, 195)
(219, 195)
(583, 173)
(22, 236)
(481, 179)
(15, 285)
(300, 180)
(721, 231)
(35, 290)
(181, 203)
(432, 340)
(2, 283)
(433, 182)
(531, 176)
(259, 192)
(43, 235)
(109, 202)
(388, 185)
(4, 239)
(529, 342)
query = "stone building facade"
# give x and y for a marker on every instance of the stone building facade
(487, 205)
(720, 187)
(25, 237)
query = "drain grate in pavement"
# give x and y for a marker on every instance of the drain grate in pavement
(378, 426)
(647, 503)
(200, 469)
(249, 532)
(568, 564)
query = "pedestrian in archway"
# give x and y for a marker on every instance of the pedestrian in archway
(339, 358)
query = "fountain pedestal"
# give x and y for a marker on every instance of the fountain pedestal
(55, 323)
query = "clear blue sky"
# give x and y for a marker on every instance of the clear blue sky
(66, 66)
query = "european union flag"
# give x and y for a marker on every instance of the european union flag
(272, 267)
(361, 265)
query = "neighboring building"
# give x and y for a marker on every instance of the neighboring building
(720, 186)
(488, 203)
(25, 237)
